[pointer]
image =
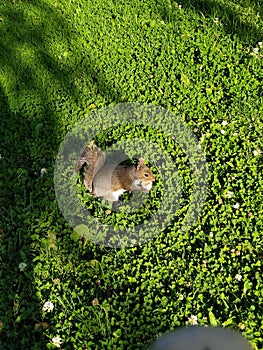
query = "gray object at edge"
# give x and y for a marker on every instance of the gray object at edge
(202, 338)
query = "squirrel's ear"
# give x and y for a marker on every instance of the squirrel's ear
(91, 144)
(141, 163)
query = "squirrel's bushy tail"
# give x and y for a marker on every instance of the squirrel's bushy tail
(93, 159)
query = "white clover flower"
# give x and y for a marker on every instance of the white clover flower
(255, 50)
(48, 306)
(238, 277)
(193, 320)
(241, 326)
(95, 302)
(224, 122)
(236, 206)
(181, 297)
(216, 20)
(256, 152)
(57, 341)
(260, 44)
(43, 172)
(22, 266)
(229, 194)
(222, 131)
(180, 6)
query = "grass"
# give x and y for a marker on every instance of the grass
(62, 60)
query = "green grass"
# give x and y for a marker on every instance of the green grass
(61, 60)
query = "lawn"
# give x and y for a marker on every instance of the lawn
(63, 62)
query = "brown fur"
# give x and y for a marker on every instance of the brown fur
(103, 180)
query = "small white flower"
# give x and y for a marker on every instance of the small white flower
(134, 242)
(235, 134)
(43, 172)
(216, 20)
(256, 152)
(255, 50)
(229, 194)
(238, 277)
(193, 320)
(222, 131)
(236, 206)
(180, 6)
(22, 266)
(181, 297)
(211, 234)
(48, 306)
(260, 44)
(241, 326)
(57, 341)
(224, 122)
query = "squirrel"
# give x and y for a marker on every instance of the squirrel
(110, 181)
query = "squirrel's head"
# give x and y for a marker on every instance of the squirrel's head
(145, 173)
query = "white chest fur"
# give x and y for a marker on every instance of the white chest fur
(136, 185)
(117, 194)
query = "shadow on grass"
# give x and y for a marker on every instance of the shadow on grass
(30, 135)
(18, 302)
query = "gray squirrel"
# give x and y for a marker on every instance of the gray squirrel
(110, 181)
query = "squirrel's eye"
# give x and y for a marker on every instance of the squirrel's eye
(146, 174)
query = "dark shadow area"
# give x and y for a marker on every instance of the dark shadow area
(22, 34)
(30, 136)
(19, 204)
